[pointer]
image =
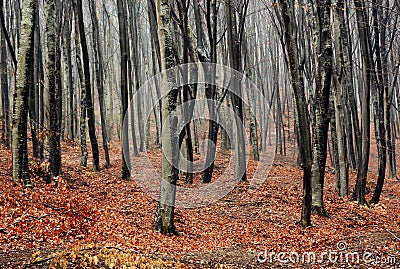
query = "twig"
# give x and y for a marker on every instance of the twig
(116, 248)
(395, 236)
(39, 218)
(41, 261)
(53, 207)
(66, 211)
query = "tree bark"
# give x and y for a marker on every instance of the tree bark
(88, 89)
(20, 113)
(5, 125)
(322, 41)
(164, 218)
(125, 174)
(52, 86)
(303, 137)
(362, 22)
(99, 68)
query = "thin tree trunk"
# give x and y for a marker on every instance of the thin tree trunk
(82, 119)
(5, 126)
(125, 174)
(303, 137)
(88, 88)
(379, 102)
(362, 22)
(51, 84)
(235, 56)
(99, 67)
(342, 171)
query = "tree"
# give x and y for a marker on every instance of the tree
(362, 23)
(53, 90)
(82, 120)
(5, 100)
(99, 67)
(211, 90)
(20, 113)
(342, 79)
(320, 12)
(88, 88)
(303, 134)
(164, 217)
(125, 174)
(235, 38)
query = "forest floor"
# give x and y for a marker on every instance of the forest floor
(95, 219)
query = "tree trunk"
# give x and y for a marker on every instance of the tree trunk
(88, 88)
(362, 22)
(20, 113)
(322, 40)
(303, 137)
(164, 218)
(379, 100)
(342, 171)
(82, 118)
(211, 90)
(125, 174)
(70, 79)
(51, 84)
(5, 124)
(99, 67)
(235, 56)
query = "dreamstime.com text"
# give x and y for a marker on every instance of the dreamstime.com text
(341, 255)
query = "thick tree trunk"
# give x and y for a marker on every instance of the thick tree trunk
(322, 40)
(20, 113)
(164, 218)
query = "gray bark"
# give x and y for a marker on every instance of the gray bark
(164, 218)
(20, 113)
(322, 41)
(303, 134)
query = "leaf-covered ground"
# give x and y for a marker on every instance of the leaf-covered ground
(92, 218)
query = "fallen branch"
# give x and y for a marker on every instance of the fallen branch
(53, 207)
(395, 236)
(116, 248)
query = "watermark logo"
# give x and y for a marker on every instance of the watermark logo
(340, 255)
(227, 82)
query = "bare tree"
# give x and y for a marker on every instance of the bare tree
(304, 136)
(20, 114)
(164, 218)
